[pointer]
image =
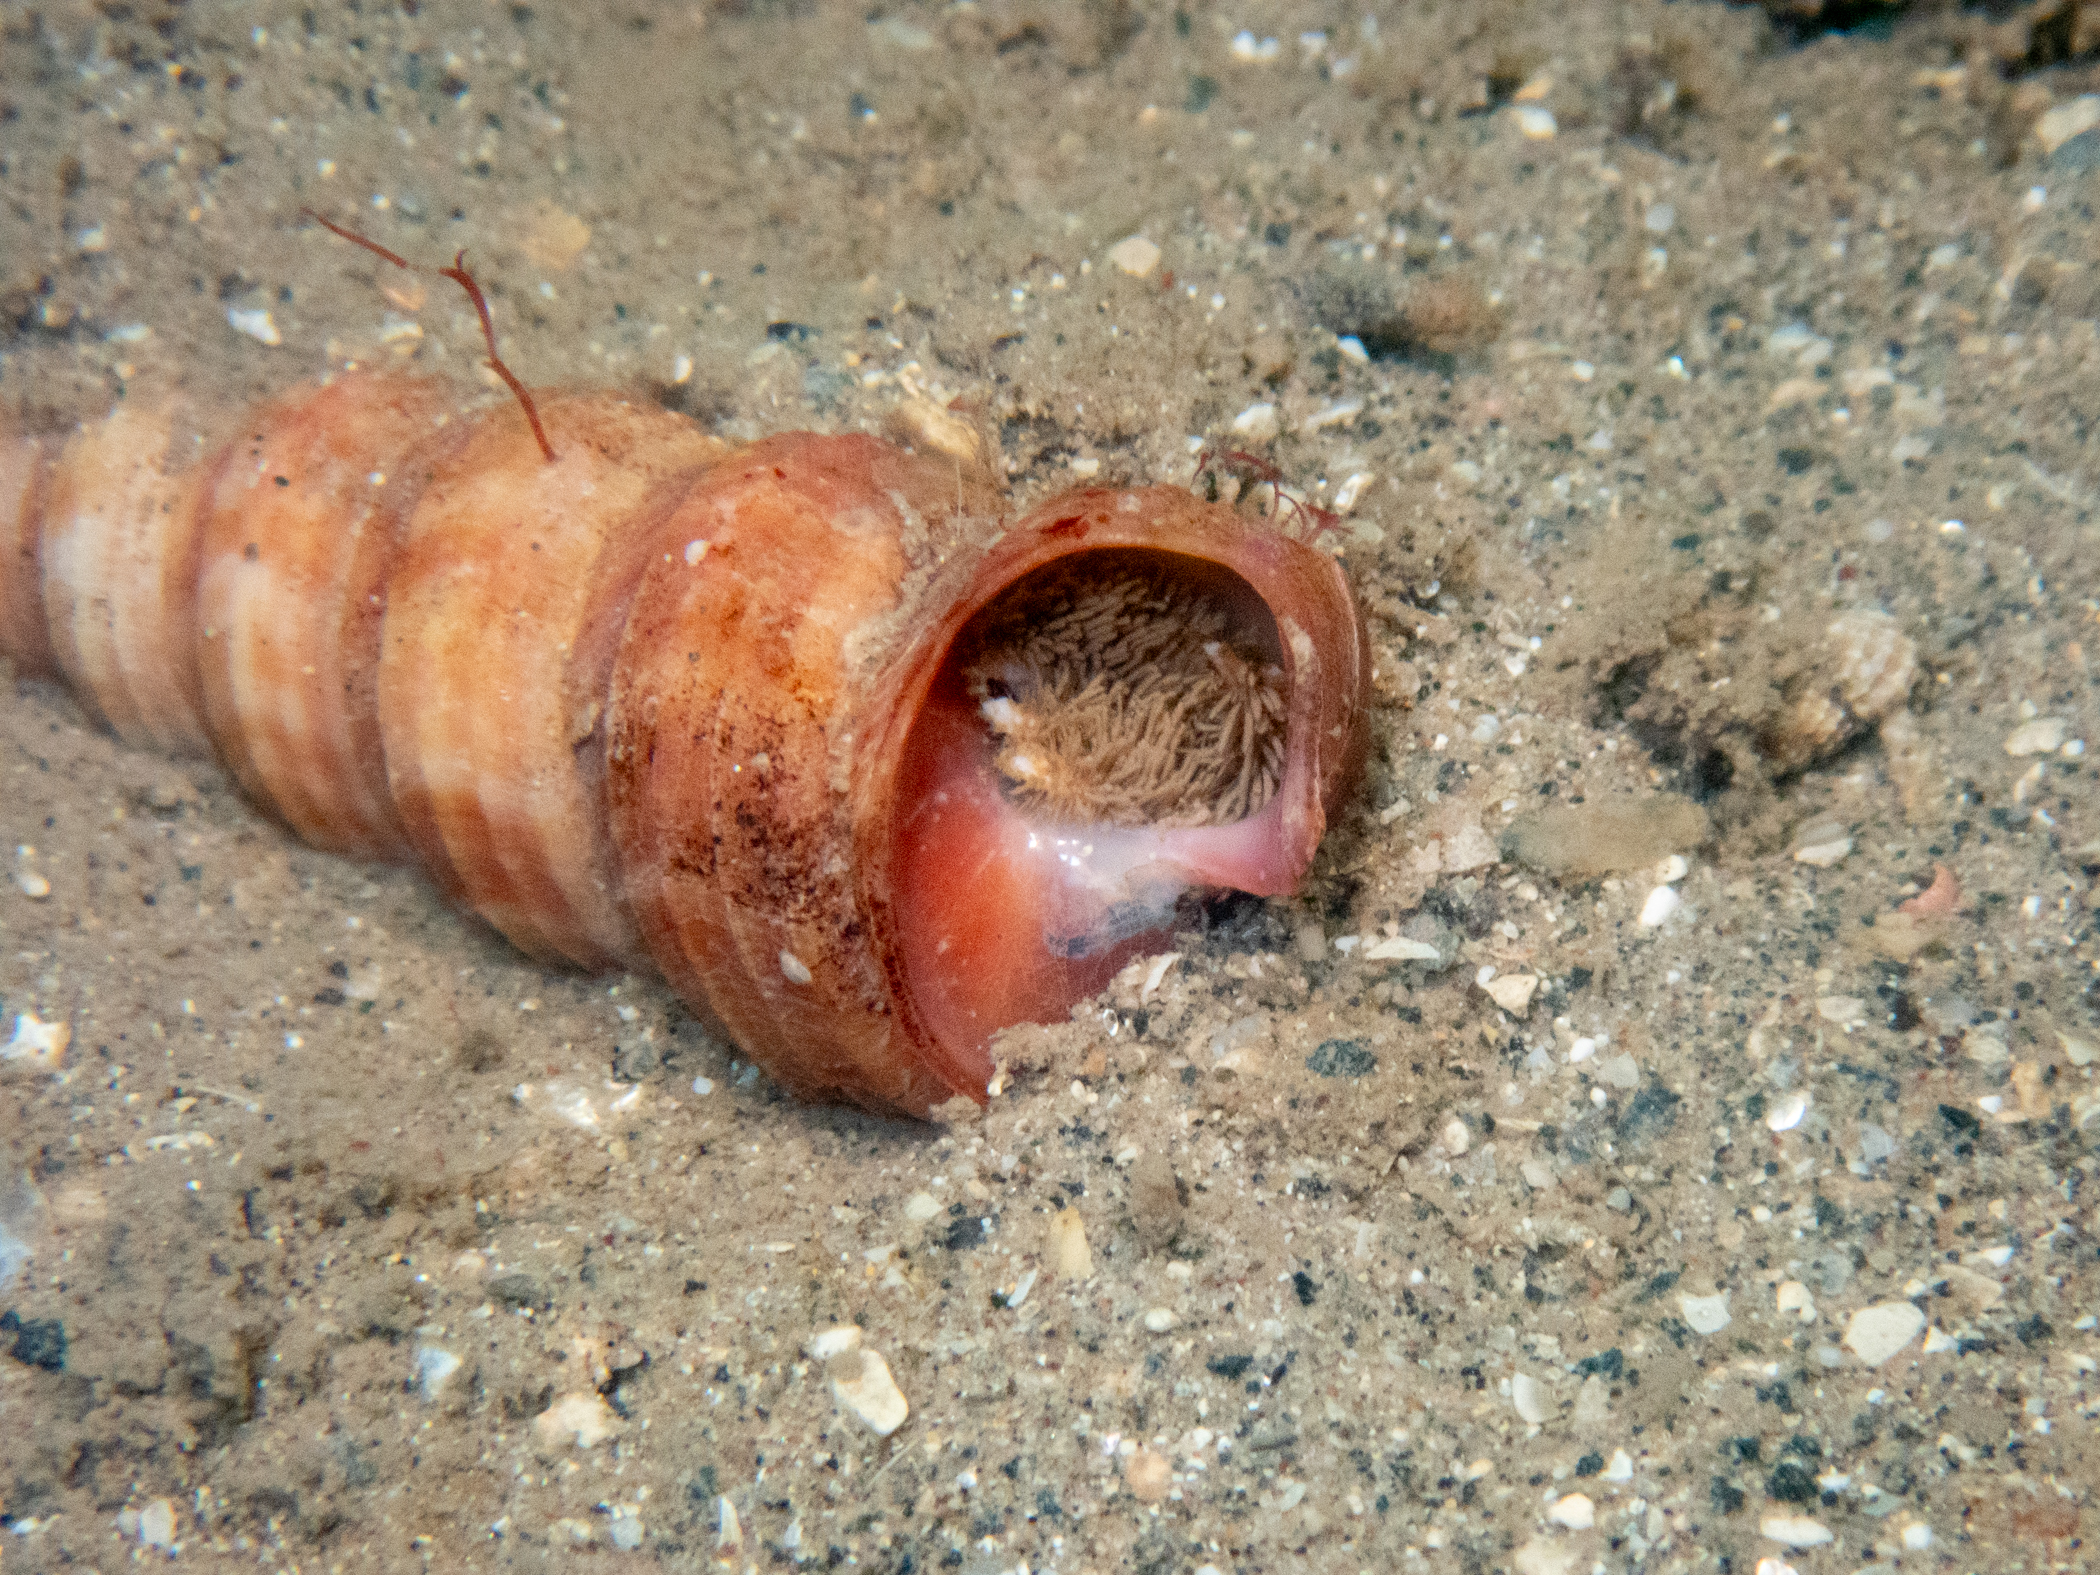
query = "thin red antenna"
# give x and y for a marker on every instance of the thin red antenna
(458, 274)
(356, 239)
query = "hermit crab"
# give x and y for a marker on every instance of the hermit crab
(641, 699)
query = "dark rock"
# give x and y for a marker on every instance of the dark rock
(1342, 1058)
(38, 1342)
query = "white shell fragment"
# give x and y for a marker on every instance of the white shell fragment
(1705, 1314)
(1535, 121)
(1398, 948)
(41, 1044)
(1794, 1298)
(1787, 1112)
(1662, 902)
(1822, 844)
(1528, 1398)
(433, 1365)
(1069, 1252)
(2043, 736)
(256, 325)
(835, 1341)
(152, 1523)
(861, 1383)
(1877, 1333)
(1794, 1531)
(1257, 422)
(580, 1419)
(2061, 122)
(1578, 1512)
(1513, 991)
(1135, 255)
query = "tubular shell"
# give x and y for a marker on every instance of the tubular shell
(660, 702)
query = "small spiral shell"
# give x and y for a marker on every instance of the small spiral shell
(1860, 671)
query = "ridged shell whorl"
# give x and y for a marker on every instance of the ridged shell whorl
(659, 701)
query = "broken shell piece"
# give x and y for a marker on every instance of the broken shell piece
(2043, 736)
(1074, 1260)
(1787, 1111)
(1863, 669)
(1794, 1298)
(1705, 1314)
(835, 1341)
(579, 1419)
(42, 1045)
(1578, 1512)
(1512, 991)
(1795, 1531)
(1148, 1475)
(861, 1383)
(1877, 1333)
(1399, 948)
(1822, 843)
(1937, 901)
(1529, 1399)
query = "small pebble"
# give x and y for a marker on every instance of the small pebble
(1069, 1252)
(1794, 1531)
(1705, 1314)
(1822, 847)
(256, 325)
(1577, 1512)
(1528, 1398)
(625, 1532)
(580, 1419)
(2043, 736)
(861, 1383)
(432, 1366)
(835, 1341)
(1156, 1202)
(34, 886)
(156, 1527)
(1256, 423)
(1513, 991)
(1159, 1320)
(921, 1207)
(1620, 1071)
(39, 1043)
(1619, 1200)
(1135, 255)
(1399, 948)
(1455, 1137)
(2061, 122)
(1536, 122)
(1877, 1333)
(1787, 1111)
(1662, 902)
(1842, 1009)
(1917, 1536)
(1794, 1298)
(1621, 1467)
(1148, 1475)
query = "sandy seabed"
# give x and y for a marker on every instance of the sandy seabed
(1648, 341)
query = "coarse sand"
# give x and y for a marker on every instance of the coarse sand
(1710, 403)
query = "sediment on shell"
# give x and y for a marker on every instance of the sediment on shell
(649, 701)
